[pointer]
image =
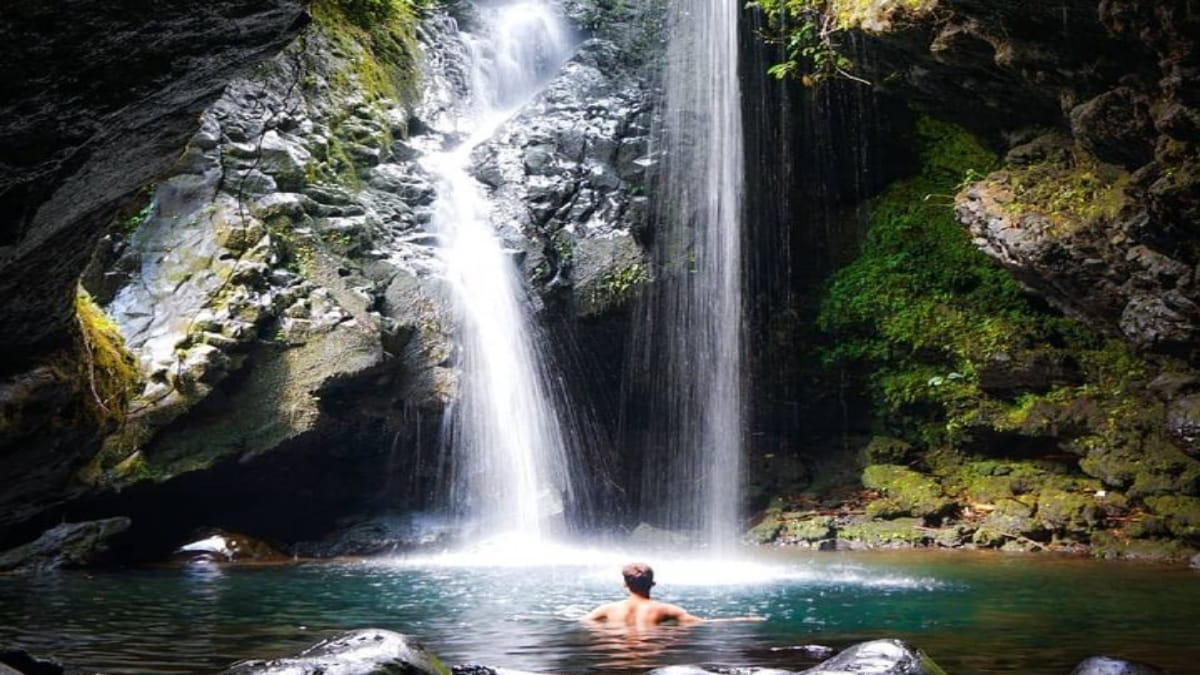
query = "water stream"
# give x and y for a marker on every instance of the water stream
(504, 432)
(692, 328)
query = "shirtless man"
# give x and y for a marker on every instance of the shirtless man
(638, 610)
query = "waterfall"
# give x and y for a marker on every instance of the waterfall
(508, 444)
(692, 327)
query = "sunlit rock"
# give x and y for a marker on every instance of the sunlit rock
(369, 651)
(878, 657)
(228, 547)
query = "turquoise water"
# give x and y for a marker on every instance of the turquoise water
(973, 613)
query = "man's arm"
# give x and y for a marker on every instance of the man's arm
(669, 612)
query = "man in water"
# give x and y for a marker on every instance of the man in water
(638, 610)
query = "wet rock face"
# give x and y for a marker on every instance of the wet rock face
(67, 545)
(282, 287)
(570, 173)
(99, 98)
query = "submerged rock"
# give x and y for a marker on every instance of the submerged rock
(370, 651)
(22, 662)
(1103, 665)
(878, 657)
(67, 545)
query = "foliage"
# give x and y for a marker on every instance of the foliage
(924, 311)
(138, 211)
(811, 32)
(104, 368)
(616, 286)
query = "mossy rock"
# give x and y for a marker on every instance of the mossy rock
(767, 530)
(808, 529)
(1011, 519)
(1108, 545)
(1180, 515)
(885, 509)
(885, 533)
(913, 493)
(886, 450)
(1142, 466)
(1068, 512)
(987, 489)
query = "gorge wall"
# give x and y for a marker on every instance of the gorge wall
(1052, 412)
(277, 289)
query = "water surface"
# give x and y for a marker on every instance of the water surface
(974, 613)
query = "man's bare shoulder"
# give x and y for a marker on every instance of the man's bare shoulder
(665, 611)
(606, 611)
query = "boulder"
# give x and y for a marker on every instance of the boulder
(220, 546)
(369, 651)
(67, 545)
(878, 657)
(378, 535)
(1103, 665)
(911, 492)
(21, 662)
(1183, 423)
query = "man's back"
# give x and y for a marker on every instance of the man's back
(639, 611)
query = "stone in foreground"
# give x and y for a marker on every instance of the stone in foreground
(369, 651)
(1103, 665)
(878, 657)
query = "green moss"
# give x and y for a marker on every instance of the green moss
(920, 303)
(378, 38)
(1110, 545)
(807, 529)
(924, 312)
(884, 450)
(1068, 512)
(1069, 191)
(883, 533)
(107, 370)
(908, 492)
(1180, 515)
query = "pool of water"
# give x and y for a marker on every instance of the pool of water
(973, 613)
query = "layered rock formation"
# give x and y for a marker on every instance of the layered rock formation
(280, 286)
(99, 99)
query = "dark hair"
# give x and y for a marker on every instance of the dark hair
(638, 577)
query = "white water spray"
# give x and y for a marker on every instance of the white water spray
(507, 441)
(693, 333)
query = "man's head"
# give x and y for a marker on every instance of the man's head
(638, 578)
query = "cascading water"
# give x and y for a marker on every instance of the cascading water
(510, 452)
(692, 327)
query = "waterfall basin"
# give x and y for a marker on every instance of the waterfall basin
(971, 612)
